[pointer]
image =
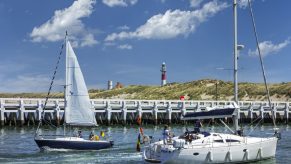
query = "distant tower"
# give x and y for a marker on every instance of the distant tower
(163, 70)
(110, 85)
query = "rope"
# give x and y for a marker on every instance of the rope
(50, 88)
(261, 62)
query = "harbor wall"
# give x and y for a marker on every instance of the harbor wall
(26, 111)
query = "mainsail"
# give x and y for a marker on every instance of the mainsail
(78, 109)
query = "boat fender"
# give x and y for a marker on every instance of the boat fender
(246, 154)
(259, 154)
(228, 157)
(209, 157)
(96, 137)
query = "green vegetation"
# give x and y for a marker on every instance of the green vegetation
(194, 90)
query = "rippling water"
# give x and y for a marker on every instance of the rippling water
(17, 145)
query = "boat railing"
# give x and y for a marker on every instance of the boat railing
(50, 135)
(155, 151)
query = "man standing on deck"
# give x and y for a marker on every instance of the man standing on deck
(166, 134)
(197, 126)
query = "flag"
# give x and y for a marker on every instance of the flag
(138, 120)
(141, 130)
(138, 143)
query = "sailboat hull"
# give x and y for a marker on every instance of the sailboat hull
(73, 143)
(202, 151)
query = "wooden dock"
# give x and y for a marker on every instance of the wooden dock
(26, 111)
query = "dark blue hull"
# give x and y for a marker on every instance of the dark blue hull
(72, 144)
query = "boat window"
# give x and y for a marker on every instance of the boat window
(231, 140)
(205, 134)
(218, 141)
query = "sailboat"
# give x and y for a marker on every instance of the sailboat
(204, 147)
(78, 111)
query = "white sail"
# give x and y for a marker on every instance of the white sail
(78, 110)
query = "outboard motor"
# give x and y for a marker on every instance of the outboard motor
(277, 134)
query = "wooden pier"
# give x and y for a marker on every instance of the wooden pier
(24, 111)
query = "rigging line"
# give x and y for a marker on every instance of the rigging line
(52, 82)
(261, 61)
(261, 119)
(253, 121)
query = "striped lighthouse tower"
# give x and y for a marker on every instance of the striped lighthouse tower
(163, 70)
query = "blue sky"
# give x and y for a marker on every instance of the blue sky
(127, 40)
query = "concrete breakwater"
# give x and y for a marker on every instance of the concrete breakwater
(26, 111)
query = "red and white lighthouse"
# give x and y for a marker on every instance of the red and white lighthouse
(163, 70)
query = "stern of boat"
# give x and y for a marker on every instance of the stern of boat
(151, 155)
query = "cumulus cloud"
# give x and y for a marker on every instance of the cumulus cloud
(124, 27)
(171, 24)
(243, 3)
(195, 3)
(121, 3)
(68, 19)
(28, 83)
(125, 46)
(267, 47)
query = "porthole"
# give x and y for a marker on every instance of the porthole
(196, 153)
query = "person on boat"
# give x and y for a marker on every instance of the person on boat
(166, 134)
(197, 126)
(80, 134)
(91, 136)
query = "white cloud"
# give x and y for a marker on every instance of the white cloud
(88, 40)
(125, 46)
(67, 19)
(109, 44)
(14, 78)
(195, 3)
(171, 24)
(122, 3)
(243, 3)
(124, 27)
(28, 83)
(267, 47)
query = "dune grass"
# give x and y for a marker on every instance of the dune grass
(194, 90)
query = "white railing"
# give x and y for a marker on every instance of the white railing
(109, 106)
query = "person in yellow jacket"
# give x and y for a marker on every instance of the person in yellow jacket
(91, 136)
(102, 134)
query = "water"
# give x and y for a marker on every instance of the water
(17, 145)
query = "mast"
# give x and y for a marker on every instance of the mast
(66, 83)
(235, 117)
